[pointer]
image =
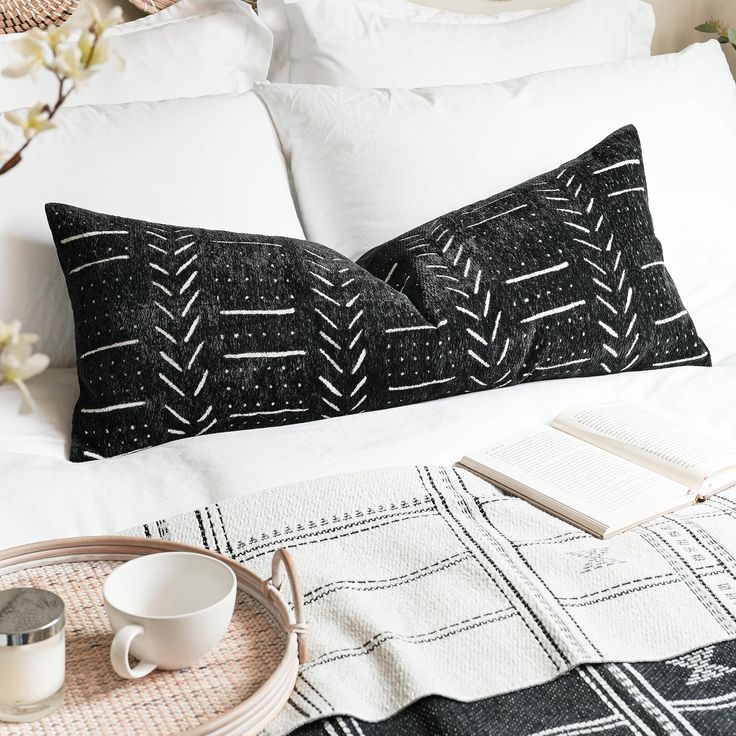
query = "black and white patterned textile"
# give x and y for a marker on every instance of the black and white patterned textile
(693, 694)
(182, 332)
(430, 582)
(560, 276)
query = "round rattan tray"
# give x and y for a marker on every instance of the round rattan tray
(237, 688)
(22, 15)
(153, 6)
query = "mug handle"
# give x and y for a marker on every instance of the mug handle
(120, 651)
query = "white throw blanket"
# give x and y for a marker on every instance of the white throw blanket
(425, 581)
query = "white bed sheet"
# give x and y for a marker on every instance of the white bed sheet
(43, 495)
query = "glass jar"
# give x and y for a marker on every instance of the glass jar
(32, 654)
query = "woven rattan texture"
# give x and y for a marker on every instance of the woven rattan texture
(98, 702)
(153, 6)
(21, 15)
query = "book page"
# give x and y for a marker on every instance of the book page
(659, 441)
(577, 480)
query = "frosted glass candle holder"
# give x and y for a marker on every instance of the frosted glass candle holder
(32, 654)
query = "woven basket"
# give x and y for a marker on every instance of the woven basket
(22, 15)
(153, 6)
(235, 690)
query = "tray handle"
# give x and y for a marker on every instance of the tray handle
(282, 557)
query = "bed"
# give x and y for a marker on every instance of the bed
(61, 499)
(339, 473)
(675, 20)
(437, 603)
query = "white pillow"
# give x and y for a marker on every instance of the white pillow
(368, 165)
(373, 43)
(408, 10)
(193, 48)
(276, 16)
(209, 162)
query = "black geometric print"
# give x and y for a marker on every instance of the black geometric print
(561, 276)
(183, 331)
(655, 698)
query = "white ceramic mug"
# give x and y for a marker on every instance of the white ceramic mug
(167, 610)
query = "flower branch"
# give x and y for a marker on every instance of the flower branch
(18, 362)
(71, 58)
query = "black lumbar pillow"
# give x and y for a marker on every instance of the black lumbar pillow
(182, 332)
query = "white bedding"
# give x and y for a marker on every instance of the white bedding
(43, 495)
(424, 581)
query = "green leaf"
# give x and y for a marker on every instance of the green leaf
(732, 35)
(707, 28)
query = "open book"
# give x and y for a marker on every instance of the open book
(608, 467)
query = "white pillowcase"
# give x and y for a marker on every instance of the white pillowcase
(407, 10)
(209, 162)
(193, 48)
(368, 165)
(374, 43)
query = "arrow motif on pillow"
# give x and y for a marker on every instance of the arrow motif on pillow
(183, 331)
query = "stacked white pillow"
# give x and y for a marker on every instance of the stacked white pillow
(370, 164)
(366, 164)
(210, 162)
(193, 48)
(378, 43)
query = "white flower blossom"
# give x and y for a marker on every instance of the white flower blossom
(79, 62)
(32, 121)
(18, 362)
(36, 52)
(97, 24)
(71, 65)
(71, 55)
(10, 334)
(57, 36)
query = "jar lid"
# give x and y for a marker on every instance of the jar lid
(29, 615)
